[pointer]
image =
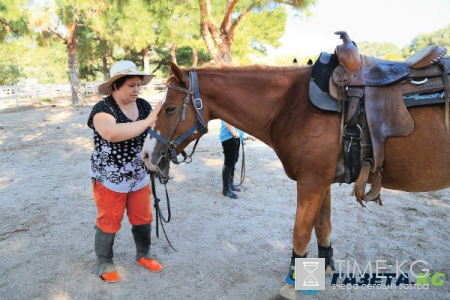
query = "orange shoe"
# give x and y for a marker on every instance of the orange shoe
(150, 263)
(110, 277)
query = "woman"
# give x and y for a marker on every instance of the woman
(119, 178)
(231, 139)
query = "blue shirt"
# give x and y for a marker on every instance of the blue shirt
(225, 134)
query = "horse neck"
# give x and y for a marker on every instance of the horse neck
(250, 98)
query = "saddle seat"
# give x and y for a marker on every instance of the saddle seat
(425, 56)
(369, 91)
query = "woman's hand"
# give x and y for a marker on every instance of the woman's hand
(153, 116)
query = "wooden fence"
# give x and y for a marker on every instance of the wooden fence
(18, 95)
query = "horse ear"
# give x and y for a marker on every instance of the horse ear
(176, 71)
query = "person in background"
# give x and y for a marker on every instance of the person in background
(231, 138)
(119, 178)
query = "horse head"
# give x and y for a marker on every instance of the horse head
(179, 123)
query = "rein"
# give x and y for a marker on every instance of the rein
(242, 177)
(160, 218)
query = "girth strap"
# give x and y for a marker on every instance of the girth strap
(446, 93)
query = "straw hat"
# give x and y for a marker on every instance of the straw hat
(120, 69)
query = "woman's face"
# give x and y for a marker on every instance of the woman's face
(129, 90)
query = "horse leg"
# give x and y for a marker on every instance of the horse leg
(309, 204)
(322, 227)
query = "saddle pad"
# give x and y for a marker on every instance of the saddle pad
(322, 69)
(321, 99)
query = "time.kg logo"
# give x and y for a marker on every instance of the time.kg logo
(310, 274)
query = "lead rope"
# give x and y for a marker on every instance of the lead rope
(160, 218)
(241, 181)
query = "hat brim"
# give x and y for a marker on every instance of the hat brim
(106, 88)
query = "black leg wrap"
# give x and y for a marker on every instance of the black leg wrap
(327, 253)
(290, 279)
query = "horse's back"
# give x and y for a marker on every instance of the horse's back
(419, 162)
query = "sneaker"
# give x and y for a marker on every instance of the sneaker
(150, 263)
(110, 277)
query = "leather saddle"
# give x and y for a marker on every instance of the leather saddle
(369, 93)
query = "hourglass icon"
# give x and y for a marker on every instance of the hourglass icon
(310, 280)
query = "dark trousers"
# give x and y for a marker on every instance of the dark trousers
(231, 151)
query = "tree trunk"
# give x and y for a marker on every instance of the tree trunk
(77, 99)
(218, 41)
(225, 51)
(194, 58)
(204, 29)
(146, 60)
(105, 68)
(173, 49)
(71, 42)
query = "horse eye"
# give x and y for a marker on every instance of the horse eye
(170, 110)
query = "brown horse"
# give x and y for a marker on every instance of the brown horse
(272, 104)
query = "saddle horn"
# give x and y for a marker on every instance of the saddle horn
(343, 36)
(348, 53)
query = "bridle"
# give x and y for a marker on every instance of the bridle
(170, 144)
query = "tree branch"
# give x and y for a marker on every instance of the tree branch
(57, 34)
(208, 29)
(238, 19)
(225, 26)
(6, 24)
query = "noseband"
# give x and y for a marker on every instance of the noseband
(170, 144)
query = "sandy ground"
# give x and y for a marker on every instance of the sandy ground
(226, 249)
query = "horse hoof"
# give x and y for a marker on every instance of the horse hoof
(288, 292)
(328, 270)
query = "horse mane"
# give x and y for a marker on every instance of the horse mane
(247, 68)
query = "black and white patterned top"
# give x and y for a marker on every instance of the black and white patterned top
(118, 166)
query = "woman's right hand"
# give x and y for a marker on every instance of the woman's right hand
(153, 116)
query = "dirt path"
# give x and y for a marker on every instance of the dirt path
(226, 249)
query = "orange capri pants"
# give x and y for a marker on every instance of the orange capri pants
(111, 207)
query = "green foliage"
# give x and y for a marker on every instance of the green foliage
(184, 56)
(380, 50)
(90, 50)
(121, 29)
(10, 73)
(439, 37)
(13, 19)
(256, 31)
(160, 55)
(48, 64)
